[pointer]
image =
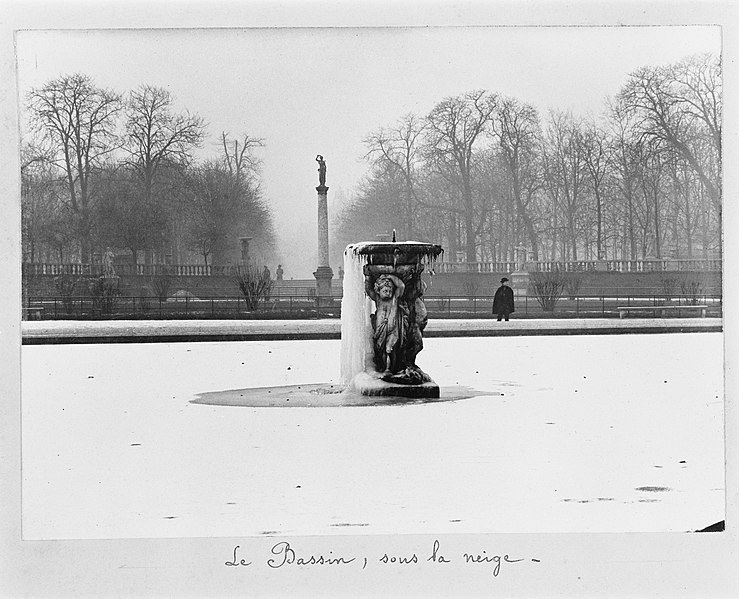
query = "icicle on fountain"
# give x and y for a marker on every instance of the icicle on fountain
(379, 349)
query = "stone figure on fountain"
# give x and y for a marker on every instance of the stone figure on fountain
(390, 320)
(399, 319)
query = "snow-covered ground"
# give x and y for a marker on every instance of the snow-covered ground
(568, 434)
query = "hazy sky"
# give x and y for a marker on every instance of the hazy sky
(320, 91)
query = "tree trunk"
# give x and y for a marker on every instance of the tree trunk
(599, 225)
(573, 236)
(452, 233)
(469, 231)
(688, 223)
(632, 235)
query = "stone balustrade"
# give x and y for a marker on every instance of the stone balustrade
(179, 270)
(647, 265)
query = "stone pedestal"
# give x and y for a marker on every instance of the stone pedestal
(323, 275)
(520, 283)
(371, 384)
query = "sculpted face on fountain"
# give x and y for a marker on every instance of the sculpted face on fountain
(384, 287)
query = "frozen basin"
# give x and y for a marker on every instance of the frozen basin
(564, 434)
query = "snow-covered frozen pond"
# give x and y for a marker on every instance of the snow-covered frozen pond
(568, 434)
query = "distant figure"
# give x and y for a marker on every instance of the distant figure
(341, 272)
(108, 270)
(321, 170)
(266, 274)
(503, 300)
(279, 272)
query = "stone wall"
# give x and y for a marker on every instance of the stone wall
(591, 283)
(479, 284)
(138, 285)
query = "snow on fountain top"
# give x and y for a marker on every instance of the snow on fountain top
(406, 248)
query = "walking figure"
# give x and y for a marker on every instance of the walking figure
(503, 300)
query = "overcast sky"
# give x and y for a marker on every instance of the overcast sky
(320, 91)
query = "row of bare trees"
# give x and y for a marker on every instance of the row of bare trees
(101, 169)
(484, 173)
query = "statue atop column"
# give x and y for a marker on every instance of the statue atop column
(321, 170)
(323, 273)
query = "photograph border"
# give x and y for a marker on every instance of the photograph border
(593, 564)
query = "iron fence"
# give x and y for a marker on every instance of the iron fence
(311, 306)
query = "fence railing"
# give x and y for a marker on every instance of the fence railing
(651, 265)
(438, 306)
(197, 270)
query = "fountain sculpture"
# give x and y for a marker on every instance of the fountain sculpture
(382, 321)
(379, 349)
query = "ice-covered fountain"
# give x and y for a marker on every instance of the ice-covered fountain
(382, 321)
(383, 317)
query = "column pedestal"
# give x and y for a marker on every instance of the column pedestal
(323, 276)
(520, 283)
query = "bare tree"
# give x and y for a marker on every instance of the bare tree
(157, 135)
(239, 157)
(686, 204)
(595, 145)
(624, 155)
(399, 149)
(455, 130)
(220, 208)
(124, 219)
(213, 206)
(158, 139)
(652, 183)
(39, 200)
(78, 120)
(680, 107)
(517, 132)
(373, 210)
(565, 146)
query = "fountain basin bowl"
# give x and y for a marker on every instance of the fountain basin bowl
(396, 252)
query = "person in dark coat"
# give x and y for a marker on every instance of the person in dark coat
(503, 300)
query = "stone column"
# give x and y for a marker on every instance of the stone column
(323, 273)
